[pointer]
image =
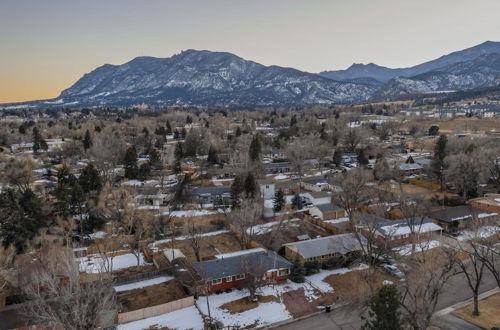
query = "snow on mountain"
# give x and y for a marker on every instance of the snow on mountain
(384, 74)
(207, 78)
(481, 72)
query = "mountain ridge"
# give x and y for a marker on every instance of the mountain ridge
(384, 74)
(215, 79)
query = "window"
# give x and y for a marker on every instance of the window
(217, 281)
(240, 277)
(283, 272)
(229, 279)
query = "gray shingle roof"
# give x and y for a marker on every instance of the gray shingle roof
(326, 245)
(456, 213)
(328, 207)
(210, 190)
(242, 264)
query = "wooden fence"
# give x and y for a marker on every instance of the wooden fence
(140, 276)
(144, 313)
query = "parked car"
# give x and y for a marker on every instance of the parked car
(393, 270)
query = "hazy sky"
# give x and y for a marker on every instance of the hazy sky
(46, 45)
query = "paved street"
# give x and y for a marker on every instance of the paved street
(348, 318)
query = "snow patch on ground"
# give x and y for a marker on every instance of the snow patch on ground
(267, 227)
(181, 238)
(421, 246)
(143, 284)
(482, 232)
(264, 314)
(186, 318)
(95, 263)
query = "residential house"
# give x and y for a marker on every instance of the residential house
(318, 197)
(490, 203)
(410, 168)
(234, 271)
(316, 184)
(267, 189)
(212, 196)
(458, 217)
(398, 232)
(280, 167)
(323, 248)
(327, 211)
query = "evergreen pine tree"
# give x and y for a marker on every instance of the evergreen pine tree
(297, 202)
(238, 131)
(337, 158)
(236, 190)
(87, 140)
(212, 155)
(384, 310)
(293, 121)
(297, 271)
(38, 141)
(90, 179)
(433, 130)
(154, 159)
(144, 171)
(362, 160)
(410, 160)
(130, 163)
(179, 151)
(255, 149)
(21, 217)
(250, 185)
(168, 128)
(279, 200)
(438, 164)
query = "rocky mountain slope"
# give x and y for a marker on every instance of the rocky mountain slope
(222, 79)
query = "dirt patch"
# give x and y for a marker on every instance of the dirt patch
(151, 295)
(133, 270)
(210, 246)
(488, 309)
(297, 304)
(244, 304)
(355, 286)
(468, 125)
(274, 239)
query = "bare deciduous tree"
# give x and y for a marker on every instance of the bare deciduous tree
(195, 236)
(19, 172)
(423, 285)
(59, 298)
(244, 220)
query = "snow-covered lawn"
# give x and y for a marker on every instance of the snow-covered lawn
(266, 227)
(94, 263)
(338, 220)
(191, 213)
(142, 284)
(186, 318)
(420, 246)
(482, 232)
(263, 314)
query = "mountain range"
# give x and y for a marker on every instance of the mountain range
(210, 79)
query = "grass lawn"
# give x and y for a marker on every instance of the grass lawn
(244, 304)
(489, 309)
